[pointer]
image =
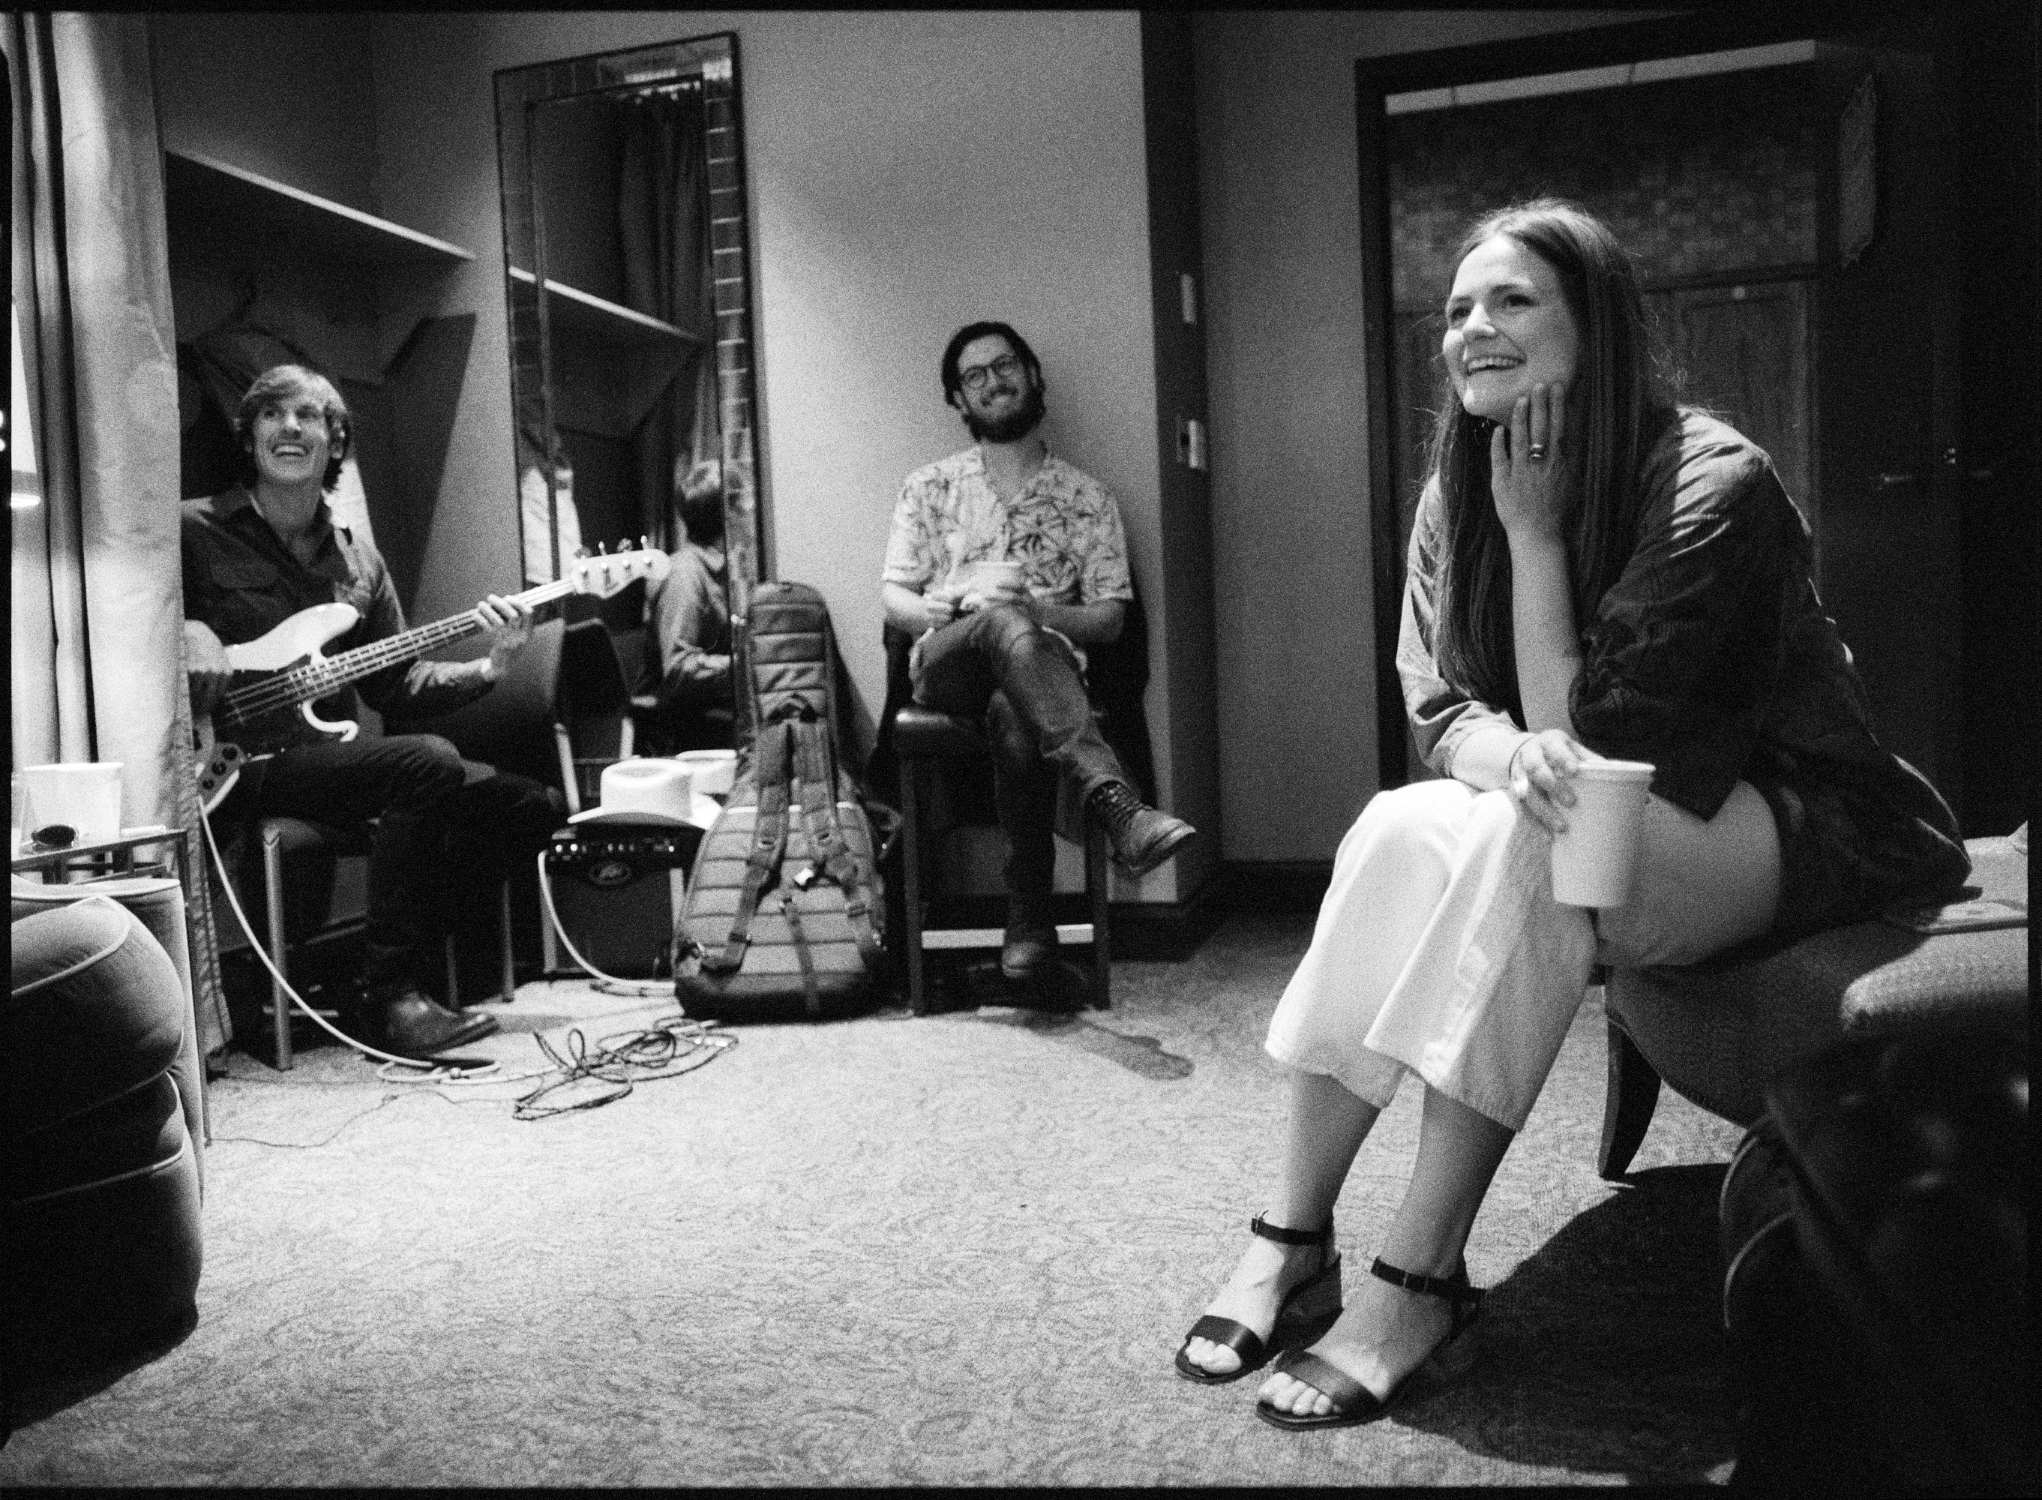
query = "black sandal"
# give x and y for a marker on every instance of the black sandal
(1303, 1317)
(1352, 1401)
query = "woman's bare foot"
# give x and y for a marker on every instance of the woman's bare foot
(1266, 1273)
(1384, 1334)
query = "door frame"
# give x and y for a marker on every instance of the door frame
(1376, 78)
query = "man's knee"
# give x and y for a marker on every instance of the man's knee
(428, 767)
(1011, 631)
(514, 810)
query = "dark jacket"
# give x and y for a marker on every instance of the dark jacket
(242, 581)
(1711, 658)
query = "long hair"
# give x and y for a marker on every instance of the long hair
(273, 384)
(1616, 406)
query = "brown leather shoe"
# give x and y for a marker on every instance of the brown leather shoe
(404, 1019)
(1142, 837)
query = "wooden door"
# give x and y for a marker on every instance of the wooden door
(1890, 571)
(1743, 352)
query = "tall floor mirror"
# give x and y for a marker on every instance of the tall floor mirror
(628, 289)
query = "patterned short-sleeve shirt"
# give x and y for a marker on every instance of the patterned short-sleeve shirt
(1064, 529)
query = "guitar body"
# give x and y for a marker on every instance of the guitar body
(260, 731)
(267, 706)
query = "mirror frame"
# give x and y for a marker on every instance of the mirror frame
(528, 314)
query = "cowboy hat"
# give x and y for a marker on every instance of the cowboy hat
(650, 790)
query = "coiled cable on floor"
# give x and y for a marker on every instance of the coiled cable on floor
(675, 1046)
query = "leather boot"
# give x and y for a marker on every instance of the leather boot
(405, 1020)
(1030, 944)
(1142, 837)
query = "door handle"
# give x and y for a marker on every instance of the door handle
(1888, 481)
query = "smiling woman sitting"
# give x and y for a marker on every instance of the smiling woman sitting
(1593, 571)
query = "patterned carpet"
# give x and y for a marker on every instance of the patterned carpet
(956, 1250)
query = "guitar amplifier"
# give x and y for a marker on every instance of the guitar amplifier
(617, 892)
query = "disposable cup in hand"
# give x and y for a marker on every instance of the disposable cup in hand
(1595, 856)
(997, 578)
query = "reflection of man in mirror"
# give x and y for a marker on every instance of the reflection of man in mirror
(1004, 562)
(686, 668)
(255, 556)
(538, 452)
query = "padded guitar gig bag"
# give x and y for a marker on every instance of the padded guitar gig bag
(785, 908)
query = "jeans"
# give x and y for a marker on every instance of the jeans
(441, 840)
(1023, 685)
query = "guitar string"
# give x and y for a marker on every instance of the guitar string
(303, 683)
(315, 680)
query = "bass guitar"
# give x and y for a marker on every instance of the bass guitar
(267, 706)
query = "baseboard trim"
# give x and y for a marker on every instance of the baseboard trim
(1274, 885)
(1166, 931)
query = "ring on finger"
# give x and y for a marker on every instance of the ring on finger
(1536, 452)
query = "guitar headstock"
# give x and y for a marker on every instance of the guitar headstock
(605, 573)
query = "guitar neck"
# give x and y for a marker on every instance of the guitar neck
(315, 679)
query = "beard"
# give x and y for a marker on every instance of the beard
(1012, 427)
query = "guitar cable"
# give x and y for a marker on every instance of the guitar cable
(630, 1050)
(427, 1071)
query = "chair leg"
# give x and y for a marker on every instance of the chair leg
(911, 882)
(273, 895)
(509, 990)
(1098, 888)
(570, 784)
(453, 973)
(1627, 1106)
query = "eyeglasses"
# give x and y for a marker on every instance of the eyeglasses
(1007, 366)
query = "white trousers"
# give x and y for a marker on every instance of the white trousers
(1440, 950)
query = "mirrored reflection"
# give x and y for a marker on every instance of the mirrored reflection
(624, 237)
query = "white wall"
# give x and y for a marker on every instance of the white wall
(1281, 221)
(908, 173)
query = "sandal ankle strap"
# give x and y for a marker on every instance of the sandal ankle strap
(1454, 1288)
(1322, 1237)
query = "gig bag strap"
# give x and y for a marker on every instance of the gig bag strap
(811, 992)
(769, 840)
(830, 853)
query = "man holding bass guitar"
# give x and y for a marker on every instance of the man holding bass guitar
(265, 551)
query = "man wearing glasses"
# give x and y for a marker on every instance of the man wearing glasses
(268, 548)
(1003, 564)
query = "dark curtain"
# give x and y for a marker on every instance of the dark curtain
(663, 225)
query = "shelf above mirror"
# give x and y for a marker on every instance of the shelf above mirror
(264, 212)
(596, 317)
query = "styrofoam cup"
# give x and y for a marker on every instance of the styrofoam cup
(993, 577)
(711, 772)
(1595, 856)
(83, 795)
